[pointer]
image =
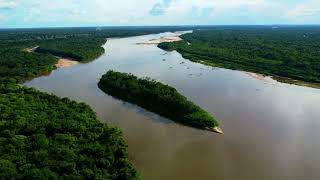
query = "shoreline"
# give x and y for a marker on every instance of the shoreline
(267, 79)
(162, 40)
(218, 130)
(63, 62)
(256, 75)
(260, 77)
(66, 62)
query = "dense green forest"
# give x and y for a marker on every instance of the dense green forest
(156, 97)
(41, 34)
(23, 35)
(82, 49)
(45, 137)
(17, 65)
(290, 52)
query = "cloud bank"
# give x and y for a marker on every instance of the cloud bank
(7, 4)
(38, 13)
(160, 8)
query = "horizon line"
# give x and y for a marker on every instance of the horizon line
(119, 26)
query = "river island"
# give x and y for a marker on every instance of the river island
(158, 98)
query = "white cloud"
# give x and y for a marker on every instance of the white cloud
(2, 17)
(130, 12)
(206, 11)
(307, 9)
(86, 11)
(156, 12)
(182, 5)
(7, 4)
(304, 11)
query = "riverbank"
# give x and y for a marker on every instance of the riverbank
(162, 40)
(261, 77)
(65, 62)
(253, 74)
(242, 50)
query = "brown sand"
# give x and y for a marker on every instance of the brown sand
(163, 39)
(217, 130)
(63, 62)
(261, 77)
(30, 50)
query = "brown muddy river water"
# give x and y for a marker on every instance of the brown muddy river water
(272, 129)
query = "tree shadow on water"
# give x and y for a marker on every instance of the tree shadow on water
(150, 115)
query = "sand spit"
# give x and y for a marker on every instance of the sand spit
(162, 39)
(30, 50)
(64, 62)
(217, 130)
(260, 77)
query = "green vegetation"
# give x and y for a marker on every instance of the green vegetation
(24, 35)
(82, 49)
(156, 97)
(286, 51)
(17, 65)
(45, 137)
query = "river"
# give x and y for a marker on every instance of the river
(271, 129)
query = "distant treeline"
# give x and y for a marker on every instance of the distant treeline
(156, 97)
(105, 32)
(291, 52)
(45, 137)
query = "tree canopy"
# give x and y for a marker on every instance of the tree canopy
(82, 49)
(17, 65)
(156, 97)
(45, 137)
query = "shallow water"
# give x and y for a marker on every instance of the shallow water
(271, 129)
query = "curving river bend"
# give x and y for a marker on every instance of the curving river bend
(271, 129)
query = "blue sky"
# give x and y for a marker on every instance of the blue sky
(57, 13)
